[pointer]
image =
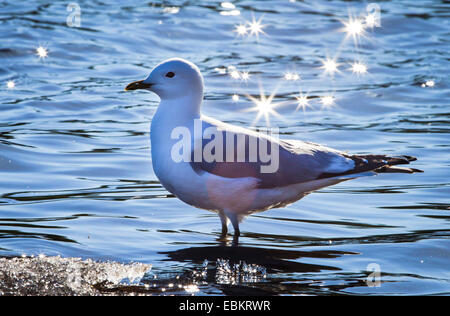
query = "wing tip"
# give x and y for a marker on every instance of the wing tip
(377, 164)
(396, 169)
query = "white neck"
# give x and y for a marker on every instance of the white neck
(171, 113)
(180, 109)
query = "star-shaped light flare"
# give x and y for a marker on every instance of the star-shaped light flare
(253, 28)
(356, 27)
(264, 106)
(236, 74)
(245, 76)
(241, 30)
(327, 101)
(302, 102)
(330, 66)
(359, 68)
(42, 52)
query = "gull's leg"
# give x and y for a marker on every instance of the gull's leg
(224, 220)
(234, 219)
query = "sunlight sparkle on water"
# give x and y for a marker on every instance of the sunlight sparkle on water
(10, 84)
(171, 10)
(191, 288)
(264, 106)
(428, 83)
(235, 74)
(227, 5)
(354, 27)
(235, 97)
(291, 76)
(230, 9)
(359, 68)
(245, 76)
(330, 66)
(302, 102)
(255, 27)
(327, 101)
(41, 52)
(232, 12)
(241, 29)
(221, 70)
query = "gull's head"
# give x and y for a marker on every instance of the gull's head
(171, 79)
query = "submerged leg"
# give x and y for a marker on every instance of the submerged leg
(224, 220)
(234, 219)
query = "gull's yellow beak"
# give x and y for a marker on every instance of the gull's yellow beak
(137, 85)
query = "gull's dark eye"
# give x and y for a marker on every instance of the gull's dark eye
(170, 74)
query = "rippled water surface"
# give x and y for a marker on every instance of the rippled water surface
(75, 169)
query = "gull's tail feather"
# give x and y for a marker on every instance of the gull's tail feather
(378, 164)
(389, 164)
(395, 169)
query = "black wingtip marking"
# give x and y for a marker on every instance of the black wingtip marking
(376, 163)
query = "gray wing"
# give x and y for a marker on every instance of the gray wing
(283, 162)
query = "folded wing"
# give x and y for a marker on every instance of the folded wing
(274, 162)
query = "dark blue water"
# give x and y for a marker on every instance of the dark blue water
(76, 178)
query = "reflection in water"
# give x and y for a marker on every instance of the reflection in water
(273, 260)
(268, 267)
(75, 169)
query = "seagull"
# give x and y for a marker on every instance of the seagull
(240, 182)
